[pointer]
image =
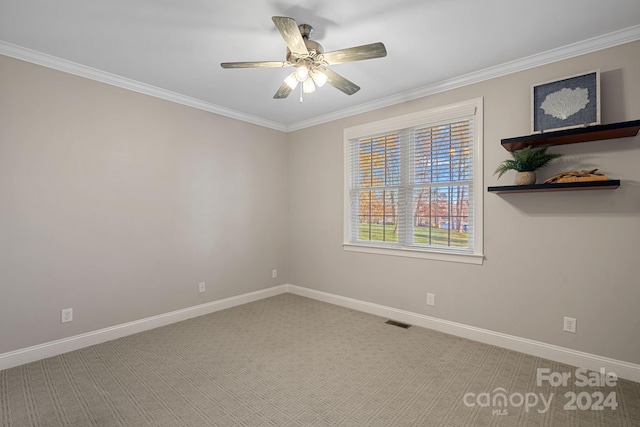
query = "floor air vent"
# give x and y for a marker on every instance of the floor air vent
(398, 324)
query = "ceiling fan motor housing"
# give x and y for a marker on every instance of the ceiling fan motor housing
(305, 30)
(313, 47)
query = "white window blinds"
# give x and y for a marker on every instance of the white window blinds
(415, 187)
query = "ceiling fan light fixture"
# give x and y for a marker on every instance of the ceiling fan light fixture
(302, 73)
(308, 86)
(319, 78)
(291, 81)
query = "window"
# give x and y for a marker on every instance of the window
(414, 184)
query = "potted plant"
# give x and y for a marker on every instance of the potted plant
(526, 161)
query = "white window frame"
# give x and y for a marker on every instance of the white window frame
(473, 107)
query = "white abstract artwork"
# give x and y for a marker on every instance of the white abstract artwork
(565, 102)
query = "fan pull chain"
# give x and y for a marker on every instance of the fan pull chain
(301, 93)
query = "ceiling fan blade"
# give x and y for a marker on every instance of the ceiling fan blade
(291, 34)
(339, 82)
(285, 89)
(358, 53)
(255, 64)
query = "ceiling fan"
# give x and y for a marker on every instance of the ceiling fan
(310, 61)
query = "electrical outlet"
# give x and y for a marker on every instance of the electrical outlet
(431, 299)
(274, 273)
(66, 315)
(202, 287)
(570, 324)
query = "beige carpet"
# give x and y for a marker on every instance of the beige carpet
(292, 361)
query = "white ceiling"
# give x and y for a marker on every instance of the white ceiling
(174, 47)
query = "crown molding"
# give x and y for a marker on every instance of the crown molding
(594, 44)
(49, 61)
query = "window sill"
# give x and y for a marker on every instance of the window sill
(468, 258)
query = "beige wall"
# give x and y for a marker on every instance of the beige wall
(548, 255)
(117, 204)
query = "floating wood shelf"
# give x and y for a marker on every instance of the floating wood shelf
(564, 186)
(573, 136)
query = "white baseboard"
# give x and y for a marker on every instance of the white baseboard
(576, 358)
(564, 355)
(54, 348)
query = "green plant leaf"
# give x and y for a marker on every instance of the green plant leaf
(528, 159)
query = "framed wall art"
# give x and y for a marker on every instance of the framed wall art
(570, 102)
